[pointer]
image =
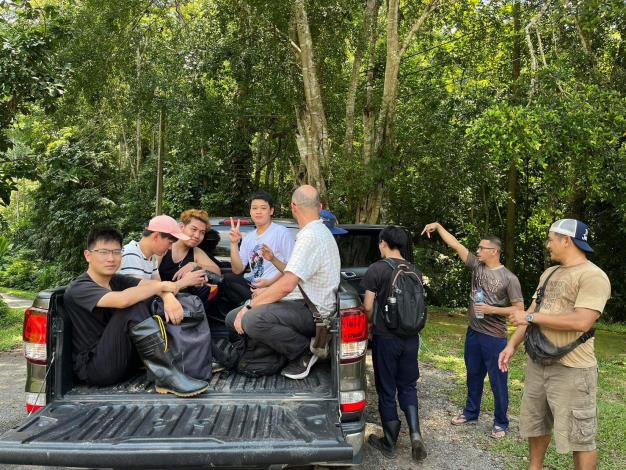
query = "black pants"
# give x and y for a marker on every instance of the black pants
(395, 371)
(286, 326)
(233, 292)
(114, 358)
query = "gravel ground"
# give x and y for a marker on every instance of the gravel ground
(449, 447)
(12, 380)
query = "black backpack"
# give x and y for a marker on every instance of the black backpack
(248, 357)
(407, 315)
(257, 359)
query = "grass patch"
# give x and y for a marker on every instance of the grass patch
(442, 346)
(11, 320)
(25, 294)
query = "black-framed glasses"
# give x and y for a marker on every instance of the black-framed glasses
(104, 252)
(483, 248)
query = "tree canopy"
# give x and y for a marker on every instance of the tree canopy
(490, 117)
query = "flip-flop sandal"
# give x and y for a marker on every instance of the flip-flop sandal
(498, 432)
(461, 419)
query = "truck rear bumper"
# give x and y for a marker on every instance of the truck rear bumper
(181, 433)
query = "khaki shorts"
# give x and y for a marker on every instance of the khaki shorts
(563, 398)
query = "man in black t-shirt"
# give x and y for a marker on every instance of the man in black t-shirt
(110, 312)
(395, 358)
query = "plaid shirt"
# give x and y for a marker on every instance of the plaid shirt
(315, 260)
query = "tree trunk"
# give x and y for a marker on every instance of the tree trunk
(511, 213)
(380, 140)
(369, 18)
(160, 161)
(312, 130)
(139, 152)
(241, 159)
(369, 116)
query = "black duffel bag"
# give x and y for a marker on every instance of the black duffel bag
(540, 349)
(248, 356)
(190, 341)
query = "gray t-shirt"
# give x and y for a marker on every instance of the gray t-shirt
(501, 288)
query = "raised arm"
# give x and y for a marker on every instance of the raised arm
(448, 239)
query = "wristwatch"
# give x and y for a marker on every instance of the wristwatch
(530, 317)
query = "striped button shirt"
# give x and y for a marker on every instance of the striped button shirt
(134, 263)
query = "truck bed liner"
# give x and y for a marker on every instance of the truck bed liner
(230, 382)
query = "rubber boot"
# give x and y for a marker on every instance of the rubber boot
(418, 449)
(151, 348)
(386, 444)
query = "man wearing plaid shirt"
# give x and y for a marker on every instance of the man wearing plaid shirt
(278, 316)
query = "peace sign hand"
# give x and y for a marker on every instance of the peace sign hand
(235, 233)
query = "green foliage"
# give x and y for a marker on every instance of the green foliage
(4, 309)
(5, 246)
(11, 320)
(92, 78)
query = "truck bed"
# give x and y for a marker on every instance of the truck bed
(230, 383)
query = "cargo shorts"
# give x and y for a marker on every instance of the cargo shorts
(560, 398)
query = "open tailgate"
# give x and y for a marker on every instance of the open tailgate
(173, 432)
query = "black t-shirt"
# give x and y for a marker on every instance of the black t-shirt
(377, 279)
(89, 321)
(167, 267)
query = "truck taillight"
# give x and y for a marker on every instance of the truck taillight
(353, 334)
(352, 401)
(34, 335)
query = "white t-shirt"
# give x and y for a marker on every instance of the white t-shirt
(315, 260)
(134, 263)
(278, 238)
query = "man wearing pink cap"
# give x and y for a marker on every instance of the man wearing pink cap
(141, 258)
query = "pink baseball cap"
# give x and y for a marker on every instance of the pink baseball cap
(165, 224)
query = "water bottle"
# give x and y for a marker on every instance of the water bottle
(479, 298)
(391, 312)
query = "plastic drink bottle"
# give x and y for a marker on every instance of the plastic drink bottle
(479, 298)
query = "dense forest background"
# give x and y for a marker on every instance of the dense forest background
(487, 116)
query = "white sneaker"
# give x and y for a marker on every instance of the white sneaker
(299, 368)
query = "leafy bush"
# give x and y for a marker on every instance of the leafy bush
(4, 309)
(25, 274)
(5, 246)
(20, 273)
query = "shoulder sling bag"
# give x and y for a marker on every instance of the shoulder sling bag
(319, 344)
(538, 346)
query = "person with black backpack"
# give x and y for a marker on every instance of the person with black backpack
(395, 306)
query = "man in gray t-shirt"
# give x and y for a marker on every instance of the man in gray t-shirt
(495, 294)
(500, 287)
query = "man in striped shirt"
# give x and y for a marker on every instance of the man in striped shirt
(141, 258)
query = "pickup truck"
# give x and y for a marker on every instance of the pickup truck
(239, 422)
